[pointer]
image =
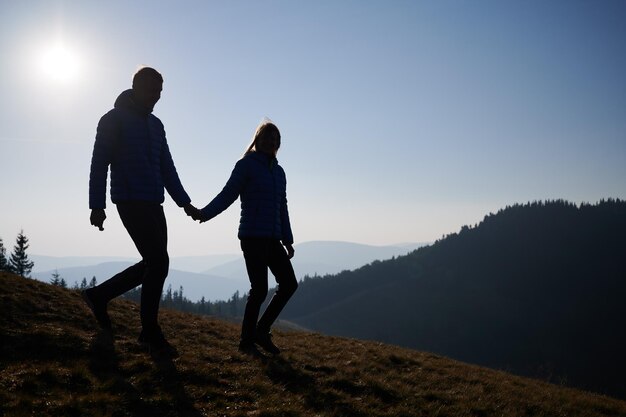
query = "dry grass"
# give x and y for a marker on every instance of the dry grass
(53, 362)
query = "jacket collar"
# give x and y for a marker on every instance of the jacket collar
(126, 101)
(263, 158)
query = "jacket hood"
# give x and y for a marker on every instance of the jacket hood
(125, 101)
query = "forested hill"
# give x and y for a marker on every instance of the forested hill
(537, 289)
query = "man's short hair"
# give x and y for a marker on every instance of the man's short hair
(146, 73)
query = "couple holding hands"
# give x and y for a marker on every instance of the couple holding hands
(131, 140)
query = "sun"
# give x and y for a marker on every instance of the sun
(59, 63)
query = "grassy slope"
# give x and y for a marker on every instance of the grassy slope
(54, 362)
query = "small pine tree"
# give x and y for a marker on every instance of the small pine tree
(180, 300)
(168, 296)
(20, 264)
(56, 279)
(93, 282)
(202, 306)
(233, 304)
(4, 263)
(83, 283)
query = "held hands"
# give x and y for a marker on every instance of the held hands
(97, 218)
(193, 212)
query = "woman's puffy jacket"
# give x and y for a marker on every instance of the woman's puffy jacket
(261, 183)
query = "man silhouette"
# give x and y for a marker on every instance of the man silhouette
(132, 141)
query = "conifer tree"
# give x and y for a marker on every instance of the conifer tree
(20, 264)
(202, 306)
(4, 263)
(167, 298)
(56, 278)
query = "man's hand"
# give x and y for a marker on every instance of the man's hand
(193, 212)
(290, 251)
(97, 218)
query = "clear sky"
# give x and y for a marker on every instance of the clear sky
(401, 120)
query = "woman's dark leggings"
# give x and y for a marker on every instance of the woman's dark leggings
(146, 225)
(261, 254)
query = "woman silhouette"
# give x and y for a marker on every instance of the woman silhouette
(264, 232)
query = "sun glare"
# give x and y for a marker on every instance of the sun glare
(59, 63)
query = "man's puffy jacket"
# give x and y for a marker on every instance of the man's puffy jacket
(261, 183)
(132, 141)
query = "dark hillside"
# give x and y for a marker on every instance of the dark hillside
(536, 289)
(54, 363)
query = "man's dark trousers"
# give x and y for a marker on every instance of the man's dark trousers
(146, 225)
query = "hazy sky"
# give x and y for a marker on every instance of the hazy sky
(401, 120)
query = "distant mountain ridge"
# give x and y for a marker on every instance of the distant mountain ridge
(195, 264)
(537, 289)
(218, 277)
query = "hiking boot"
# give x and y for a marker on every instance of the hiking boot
(265, 341)
(157, 346)
(250, 349)
(98, 308)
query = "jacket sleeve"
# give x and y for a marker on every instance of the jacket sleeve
(171, 181)
(106, 137)
(233, 188)
(285, 224)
